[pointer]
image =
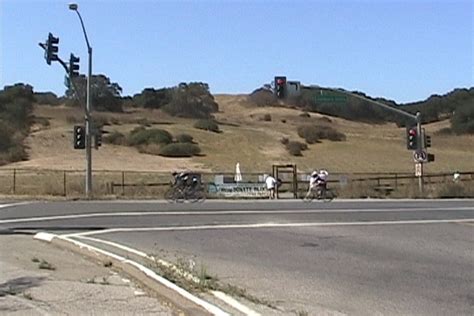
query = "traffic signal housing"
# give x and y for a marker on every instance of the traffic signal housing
(280, 87)
(73, 66)
(427, 140)
(412, 138)
(79, 137)
(51, 52)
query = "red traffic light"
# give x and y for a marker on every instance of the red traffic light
(412, 131)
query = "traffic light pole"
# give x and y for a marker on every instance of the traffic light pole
(88, 119)
(88, 128)
(417, 118)
(420, 146)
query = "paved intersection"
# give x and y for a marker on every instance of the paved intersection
(354, 257)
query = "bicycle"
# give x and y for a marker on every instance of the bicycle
(179, 193)
(319, 193)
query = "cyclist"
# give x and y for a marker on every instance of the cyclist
(317, 181)
(180, 179)
(312, 183)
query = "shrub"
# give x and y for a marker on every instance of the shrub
(116, 138)
(313, 133)
(191, 100)
(305, 114)
(152, 149)
(207, 125)
(47, 98)
(6, 140)
(263, 97)
(284, 140)
(179, 150)
(267, 117)
(295, 148)
(142, 136)
(184, 138)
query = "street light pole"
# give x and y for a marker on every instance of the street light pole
(88, 119)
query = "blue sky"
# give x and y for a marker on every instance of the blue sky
(401, 50)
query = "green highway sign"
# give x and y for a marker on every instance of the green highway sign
(331, 98)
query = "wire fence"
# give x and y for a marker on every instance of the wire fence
(152, 184)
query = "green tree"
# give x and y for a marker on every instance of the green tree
(192, 100)
(153, 99)
(462, 121)
(105, 95)
(16, 104)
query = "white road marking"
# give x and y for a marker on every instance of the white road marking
(14, 204)
(234, 303)
(220, 295)
(150, 273)
(223, 213)
(269, 225)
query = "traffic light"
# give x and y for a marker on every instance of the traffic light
(280, 86)
(73, 66)
(427, 140)
(51, 52)
(412, 138)
(79, 137)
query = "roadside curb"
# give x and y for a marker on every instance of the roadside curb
(178, 296)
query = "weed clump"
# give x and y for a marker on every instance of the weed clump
(208, 125)
(184, 138)
(179, 150)
(142, 136)
(314, 133)
(295, 148)
(116, 138)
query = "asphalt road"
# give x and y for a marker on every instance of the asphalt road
(353, 257)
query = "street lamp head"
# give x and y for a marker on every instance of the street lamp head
(73, 6)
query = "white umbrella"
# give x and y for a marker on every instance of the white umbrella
(238, 175)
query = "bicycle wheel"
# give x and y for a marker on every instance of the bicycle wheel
(195, 195)
(308, 198)
(174, 195)
(170, 195)
(327, 195)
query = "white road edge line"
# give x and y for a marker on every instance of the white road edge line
(219, 295)
(150, 273)
(267, 225)
(222, 213)
(234, 303)
(14, 204)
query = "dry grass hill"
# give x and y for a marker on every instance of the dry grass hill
(246, 138)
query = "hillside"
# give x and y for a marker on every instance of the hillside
(245, 138)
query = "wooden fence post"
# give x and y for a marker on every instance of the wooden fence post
(14, 181)
(123, 182)
(64, 182)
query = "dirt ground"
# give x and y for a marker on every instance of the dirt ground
(42, 279)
